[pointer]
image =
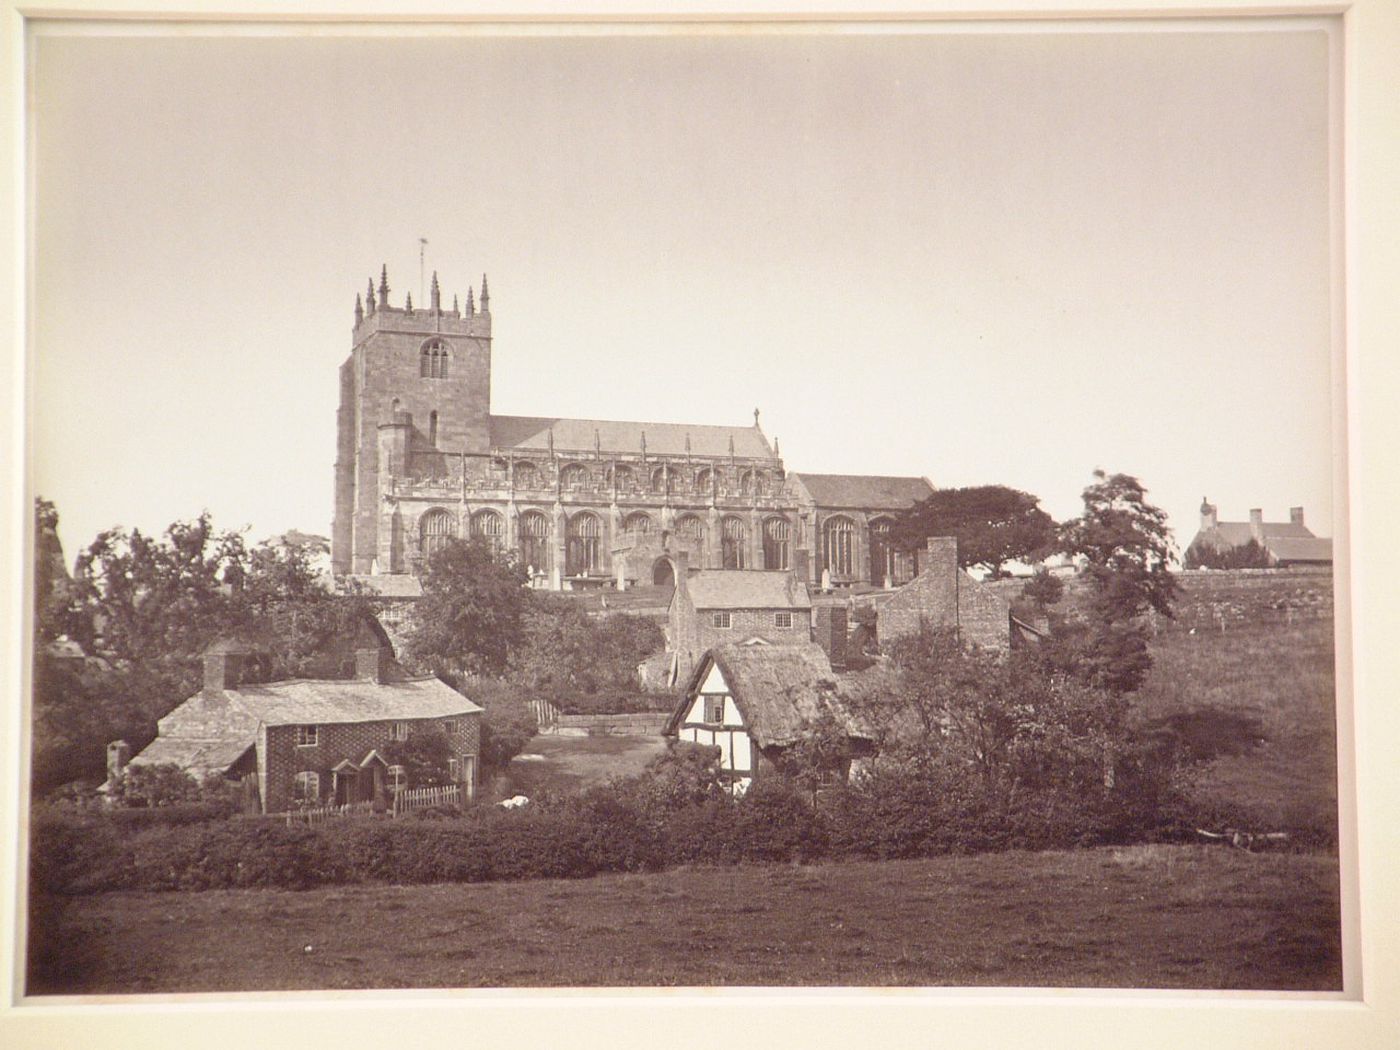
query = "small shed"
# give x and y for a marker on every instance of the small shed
(754, 700)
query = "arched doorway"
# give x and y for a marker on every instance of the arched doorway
(662, 574)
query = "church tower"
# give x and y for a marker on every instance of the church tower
(422, 375)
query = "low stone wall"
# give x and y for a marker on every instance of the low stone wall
(641, 724)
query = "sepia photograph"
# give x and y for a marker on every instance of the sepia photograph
(637, 505)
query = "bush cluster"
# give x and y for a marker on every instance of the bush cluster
(675, 814)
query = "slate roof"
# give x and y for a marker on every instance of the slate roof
(209, 731)
(532, 433)
(864, 491)
(746, 589)
(318, 701)
(1238, 533)
(1309, 548)
(781, 691)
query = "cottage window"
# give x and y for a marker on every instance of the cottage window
(306, 787)
(454, 769)
(398, 731)
(714, 710)
(449, 725)
(398, 777)
(720, 620)
(782, 619)
(308, 736)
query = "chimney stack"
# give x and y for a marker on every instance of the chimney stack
(118, 754)
(1256, 524)
(801, 566)
(1295, 515)
(371, 664)
(1208, 514)
(224, 664)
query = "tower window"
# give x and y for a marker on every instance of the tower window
(435, 359)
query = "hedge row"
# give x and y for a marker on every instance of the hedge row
(626, 827)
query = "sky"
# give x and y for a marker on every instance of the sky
(996, 257)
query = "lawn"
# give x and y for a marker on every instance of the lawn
(1135, 917)
(570, 763)
(1258, 703)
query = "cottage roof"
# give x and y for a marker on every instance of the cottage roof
(864, 491)
(1238, 533)
(746, 589)
(781, 691)
(210, 730)
(307, 701)
(532, 433)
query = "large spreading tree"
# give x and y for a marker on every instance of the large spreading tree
(993, 525)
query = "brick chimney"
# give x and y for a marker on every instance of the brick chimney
(801, 565)
(1295, 515)
(938, 571)
(225, 664)
(371, 663)
(1256, 524)
(1208, 514)
(118, 754)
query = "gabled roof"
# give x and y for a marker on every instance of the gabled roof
(532, 433)
(746, 589)
(1309, 548)
(864, 491)
(781, 691)
(1238, 533)
(317, 701)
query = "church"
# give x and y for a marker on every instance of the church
(585, 503)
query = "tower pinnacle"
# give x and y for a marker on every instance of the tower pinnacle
(359, 310)
(471, 302)
(485, 296)
(369, 296)
(408, 303)
(435, 299)
(384, 287)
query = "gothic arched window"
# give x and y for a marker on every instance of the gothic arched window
(583, 549)
(623, 478)
(534, 541)
(491, 526)
(573, 477)
(691, 529)
(637, 524)
(435, 529)
(882, 559)
(775, 543)
(733, 543)
(526, 476)
(839, 545)
(434, 360)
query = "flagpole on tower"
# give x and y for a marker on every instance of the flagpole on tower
(422, 247)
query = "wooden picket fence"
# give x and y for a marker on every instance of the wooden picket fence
(426, 798)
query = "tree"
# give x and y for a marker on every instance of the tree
(993, 525)
(1043, 589)
(1248, 555)
(471, 616)
(564, 650)
(426, 759)
(1126, 547)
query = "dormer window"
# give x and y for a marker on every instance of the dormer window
(435, 359)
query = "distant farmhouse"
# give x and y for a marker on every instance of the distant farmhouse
(421, 458)
(754, 700)
(308, 741)
(1285, 544)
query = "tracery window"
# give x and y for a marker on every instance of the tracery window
(534, 541)
(435, 359)
(435, 529)
(526, 476)
(573, 477)
(839, 545)
(776, 533)
(583, 546)
(733, 543)
(490, 525)
(636, 524)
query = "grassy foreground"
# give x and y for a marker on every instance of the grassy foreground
(1137, 917)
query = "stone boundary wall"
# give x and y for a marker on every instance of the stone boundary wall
(649, 723)
(1222, 596)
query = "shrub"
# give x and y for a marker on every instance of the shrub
(161, 784)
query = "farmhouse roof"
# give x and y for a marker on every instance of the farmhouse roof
(532, 433)
(1309, 548)
(781, 691)
(864, 491)
(1238, 533)
(746, 589)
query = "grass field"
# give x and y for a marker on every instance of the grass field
(1258, 701)
(1141, 917)
(570, 763)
